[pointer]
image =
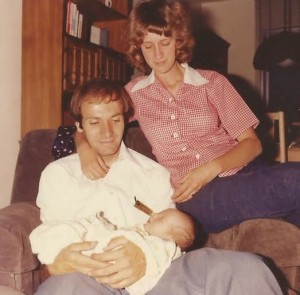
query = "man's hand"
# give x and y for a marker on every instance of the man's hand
(125, 264)
(70, 259)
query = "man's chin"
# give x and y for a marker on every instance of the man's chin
(108, 151)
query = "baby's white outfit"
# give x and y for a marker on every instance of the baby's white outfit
(159, 253)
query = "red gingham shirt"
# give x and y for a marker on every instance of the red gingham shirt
(201, 123)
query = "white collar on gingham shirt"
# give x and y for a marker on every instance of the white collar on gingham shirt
(199, 124)
(191, 76)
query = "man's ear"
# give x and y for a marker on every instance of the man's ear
(79, 129)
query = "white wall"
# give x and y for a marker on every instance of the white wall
(235, 21)
(10, 92)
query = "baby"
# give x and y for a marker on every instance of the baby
(169, 225)
(162, 239)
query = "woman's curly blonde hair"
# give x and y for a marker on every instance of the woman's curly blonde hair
(164, 17)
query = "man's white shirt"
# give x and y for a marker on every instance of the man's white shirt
(66, 194)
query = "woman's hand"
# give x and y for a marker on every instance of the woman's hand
(70, 259)
(125, 264)
(194, 181)
(247, 149)
(92, 165)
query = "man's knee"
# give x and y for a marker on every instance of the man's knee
(75, 284)
(66, 284)
(240, 272)
(211, 271)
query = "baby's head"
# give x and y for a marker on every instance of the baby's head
(172, 224)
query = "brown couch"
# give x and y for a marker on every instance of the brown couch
(19, 268)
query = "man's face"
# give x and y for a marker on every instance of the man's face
(103, 125)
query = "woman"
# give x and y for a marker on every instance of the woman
(199, 128)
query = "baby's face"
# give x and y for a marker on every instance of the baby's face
(160, 224)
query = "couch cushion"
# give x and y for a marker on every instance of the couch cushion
(273, 238)
(5, 290)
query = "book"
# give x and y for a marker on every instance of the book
(73, 19)
(99, 36)
(80, 21)
(68, 17)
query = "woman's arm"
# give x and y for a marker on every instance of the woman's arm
(247, 149)
(92, 164)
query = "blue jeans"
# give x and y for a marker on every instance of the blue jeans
(259, 190)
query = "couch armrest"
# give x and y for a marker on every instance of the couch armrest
(16, 223)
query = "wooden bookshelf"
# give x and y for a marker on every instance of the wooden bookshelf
(98, 11)
(55, 63)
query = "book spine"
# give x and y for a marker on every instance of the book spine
(80, 21)
(76, 21)
(73, 19)
(68, 17)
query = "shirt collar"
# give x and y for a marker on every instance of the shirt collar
(191, 76)
(124, 155)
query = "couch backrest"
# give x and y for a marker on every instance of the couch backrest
(136, 140)
(36, 153)
(34, 156)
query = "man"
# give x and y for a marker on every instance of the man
(101, 109)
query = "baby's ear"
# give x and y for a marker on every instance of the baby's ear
(79, 129)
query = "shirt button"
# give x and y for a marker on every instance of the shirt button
(170, 99)
(175, 135)
(184, 149)
(197, 156)
(173, 117)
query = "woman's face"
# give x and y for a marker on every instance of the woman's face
(159, 52)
